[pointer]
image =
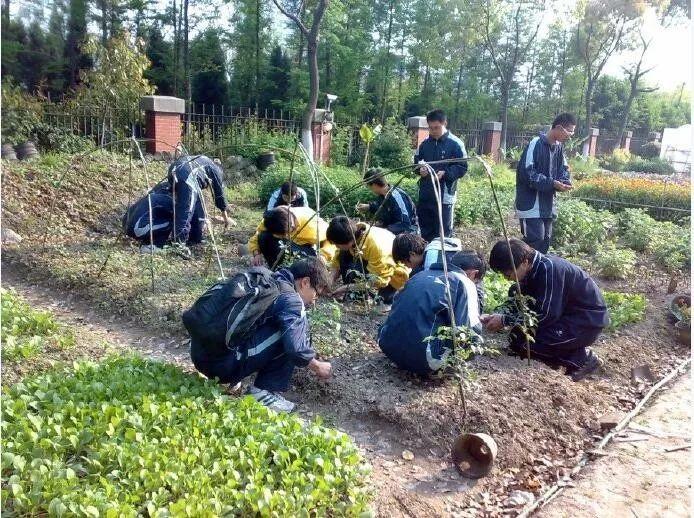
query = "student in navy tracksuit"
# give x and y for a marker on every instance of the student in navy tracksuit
(419, 310)
(542, 172)
(569, 305)
(188, 176)
(394, 208)
(440, 145)
(288, 194)
(136, 219)
(279, 343)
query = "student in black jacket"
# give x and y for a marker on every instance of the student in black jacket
(395, 208)
(570, 308)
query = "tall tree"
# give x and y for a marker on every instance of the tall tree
(311, 34)
(509, 31)
(600, 34)
(75, 58)
(209, 81)
(274, 92)
(158, 51)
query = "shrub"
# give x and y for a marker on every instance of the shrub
(20, 114)
(636, 229)
(339, 145)
(580, 228)
(650, 150)
(651, 165)
(582, 168)
(617, 160)
(27, 332)
(249, 137)
(130, 437)
(624, 308)
(613, 262)
(392, 147)
(671, 246)
(50, 138)
(475, 199)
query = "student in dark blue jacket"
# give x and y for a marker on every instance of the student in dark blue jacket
(279, 343)
(542, 172)
(136, 220)
(288, 194)
(440, 145)
(417, 313)
(570, 308)
(188, 176)
(394, 208)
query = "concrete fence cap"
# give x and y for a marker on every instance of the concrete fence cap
(417, 122)
(492, 126)
(162, 103)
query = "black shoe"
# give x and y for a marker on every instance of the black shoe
(592, 364)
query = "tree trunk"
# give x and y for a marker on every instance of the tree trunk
(389, 35)
(459, 84)
(306, 137)
(328, 68)
(6, 10)
(625, 119)
(504, 114)
(186, 57)
(104, 22)
(590, 87)
(256, 91)
(176, 37)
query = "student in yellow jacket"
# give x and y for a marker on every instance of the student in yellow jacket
(299, 228)
(375, 245)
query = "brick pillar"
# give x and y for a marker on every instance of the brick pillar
(491, 140)
(418, 129)
(626, 140)
(590, 146)
(321, 133)
(163, 122)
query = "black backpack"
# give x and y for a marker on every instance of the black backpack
(229, 311)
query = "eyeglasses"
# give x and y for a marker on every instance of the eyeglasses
(569, 133)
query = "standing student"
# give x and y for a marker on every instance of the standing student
(288, 194)
(571, 311)
(188, 177)
(542, 172)
(440, 145)
(278, 344)
(361, 244)
(394, 208)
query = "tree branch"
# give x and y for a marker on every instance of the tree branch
(292, 17)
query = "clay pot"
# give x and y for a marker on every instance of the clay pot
(26, 150)
(8, 152)
(265, 160)
(473, 454)
(684, 332)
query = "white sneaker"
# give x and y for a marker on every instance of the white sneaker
(272, 400)
(147, 249)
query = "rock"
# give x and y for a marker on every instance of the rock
(407, 455)
(610, 420)
(251, 170)
(519, 498)
(10, 237)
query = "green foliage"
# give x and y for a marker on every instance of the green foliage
(27, 332)
(249, 137)
(581, 167)
(496, 288)
(580, 228)
(475, 199)
(616, 161)
(131, 436)
(21, 113)
(613, 262)
(392, 147)
(118, 79)
(672, 246)
(650, 150)
(621, 160)
(637, 229)
(326, 325)
(59, 140)
(624, 308)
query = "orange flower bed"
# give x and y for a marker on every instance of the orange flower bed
(640, 191)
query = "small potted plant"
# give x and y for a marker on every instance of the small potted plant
(683, 326)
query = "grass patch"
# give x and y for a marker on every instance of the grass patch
(624, 308)
(26, 332)
(134, 437)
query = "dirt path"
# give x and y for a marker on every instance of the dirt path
(639, 477)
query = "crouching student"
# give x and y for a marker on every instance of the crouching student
(295, 228)
(288, 194)
(415, 253)
(136, 220)
(417, 313)
(570, 308)
(277, 344)
(367, 250)
(394, 208)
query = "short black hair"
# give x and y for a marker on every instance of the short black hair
(279, 220)
(288, 188)
(375, 175)
(437, 115)
(564, 119)
(341, 230)
(470, 260)
(500, 259)
(406, 243)
(315, 270)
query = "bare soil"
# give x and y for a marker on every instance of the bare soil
(541, 420)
